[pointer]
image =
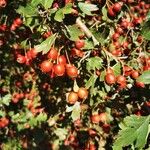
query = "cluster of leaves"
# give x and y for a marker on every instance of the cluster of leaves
(35, 104)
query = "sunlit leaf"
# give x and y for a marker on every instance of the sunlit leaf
(75, 115)
(94, 63)
(145, 77)
(45, 46)
(87, 8)
(139, 132)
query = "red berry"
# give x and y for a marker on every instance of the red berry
(111, 12)
(92, 132)
(79, 44)
(33, 53)
(103, 117)
(125, 44)
(115, 36)
(92, 147)
(109, 70)
(119, 30)
(110, 78)
(82, 93)
(13, 27)
(146, 68)
(95, 118)
(3, 27)
(17, 21)
(53, 54)
(72, 98)
(76, 52)
(117, 7)
(3, 3)
(46, 66)
(106, 128)
(124, 24)
(47, 34)
(59, 69)
(140, 84)
(72, 71)
(121, 79)
(135, 74)
(62, 60)
(21, 59)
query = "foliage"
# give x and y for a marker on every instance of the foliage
(75, 74)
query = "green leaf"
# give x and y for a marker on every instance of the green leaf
(104, 13)
(75, 115)
(143, 132)
(102, 75)
(87, 8)
(27, 11)
(45, 46)
(47, 3)
(31, 22)
(145, 77)
(67, 9)
(91, 81)
(101, 34)
(60, 14)
(42, 117)
(74, 32)
(61, 133)
(88, 45)
(94, 63)
(146, 30)
(139, 127)
(2, 113)
(117, 69)
(148, 16)
(35, 2)
(6, 100)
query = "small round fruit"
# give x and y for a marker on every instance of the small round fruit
(135, 74)
(110, 78)
(117, 7)
(53, 54)
(115, 36)
(95, 118)
(79, 44)
(106, 128)
(92, 132)
(72, 98)
(83, 93)
(92, 147)
(33, 53)
(109, 70)
(121, 79)
(46, 66)
(62, 60)
(71, 138)
(21, 59)
(18, 21)
(140, 84)
(103, 117)
(111, 12)
(77, 52)
(72, 71)
(59, 69)
(146, 68)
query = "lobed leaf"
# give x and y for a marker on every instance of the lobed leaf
(87, 8)
(145, 77)
(45, 46)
